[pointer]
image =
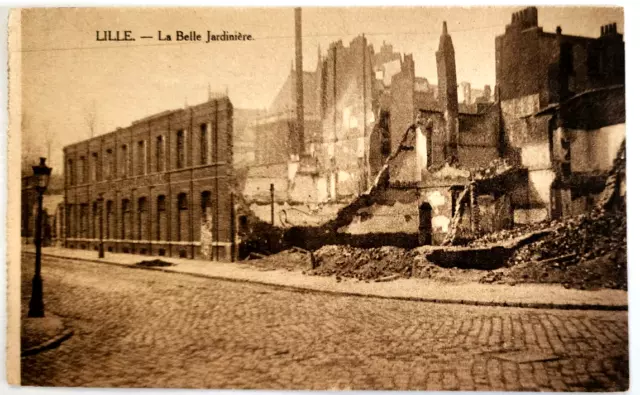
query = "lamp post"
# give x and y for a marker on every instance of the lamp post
(101, 245)
(36, 304)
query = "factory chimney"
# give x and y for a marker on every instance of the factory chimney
(448, 92)
(299, 83)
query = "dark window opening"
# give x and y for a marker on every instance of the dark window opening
(125, 160)
(204, 144)
(95, 167)
(109, 218)
(109, 169)
(161, 203)
(70, 172)
(182, 202)
(243, 224)
(160, 154)
(160, 216)
(82, 172)
(180, 157)
(142, 210)
(94, 219)
(205, 201)
(126, 209)
(142, 158)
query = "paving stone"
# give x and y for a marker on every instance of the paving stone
(138, 328)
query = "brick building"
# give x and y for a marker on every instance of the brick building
(538, 72)
(165, 182)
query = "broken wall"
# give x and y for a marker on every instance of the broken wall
(257, 186)
(442, 204)
(402, 108)
(348, 117)
(479, 138)
(527, 144)
(595, 150)
(392, 210)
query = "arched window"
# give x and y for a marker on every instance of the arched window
(180, 157)
(109, 165)
(205, 200)
(109, 219)
(205, 206)
(182, 217)
(142, 216)
(161, 218)
(70, 172)
(126, 212)
(95, 228)
(204, 144)
(160, 153)
(183, 204)
(124, 164)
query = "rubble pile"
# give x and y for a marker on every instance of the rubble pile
(579, 238)
(511, 234)
(584, 252)
(363, 264)
(493, 169)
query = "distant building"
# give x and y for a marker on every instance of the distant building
(166, 181)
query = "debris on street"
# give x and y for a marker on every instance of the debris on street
(385, 264)
(584, 252)
(363, 264)
(154, 263)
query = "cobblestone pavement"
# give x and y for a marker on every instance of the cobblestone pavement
(138, 328)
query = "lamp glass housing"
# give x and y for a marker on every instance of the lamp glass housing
(42, 175)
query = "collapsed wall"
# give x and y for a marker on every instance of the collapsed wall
(260, 236)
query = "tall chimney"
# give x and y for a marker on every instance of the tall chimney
(448, 92)
(299, 83)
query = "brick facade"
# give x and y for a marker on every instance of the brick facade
(555, 66)
(166, 183)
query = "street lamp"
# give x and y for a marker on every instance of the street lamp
(101, 245)
(41, 174)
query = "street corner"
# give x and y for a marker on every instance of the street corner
(42, 333)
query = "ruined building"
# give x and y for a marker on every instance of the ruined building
(391, 158)
(542, 151)
(328, 133)
(562, 111)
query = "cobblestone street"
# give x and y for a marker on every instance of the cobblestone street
(139, 328)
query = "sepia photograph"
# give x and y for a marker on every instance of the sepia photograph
(318, 198)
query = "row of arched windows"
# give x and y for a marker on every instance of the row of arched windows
(133, 222)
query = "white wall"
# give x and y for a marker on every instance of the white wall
(595, 150)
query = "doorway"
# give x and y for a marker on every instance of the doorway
(425, 230)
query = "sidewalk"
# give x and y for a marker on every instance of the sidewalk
(521, 295)
(42, 333)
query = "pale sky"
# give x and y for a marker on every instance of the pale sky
(66, 71)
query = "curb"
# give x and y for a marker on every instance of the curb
(52, 343)
(294, 288)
